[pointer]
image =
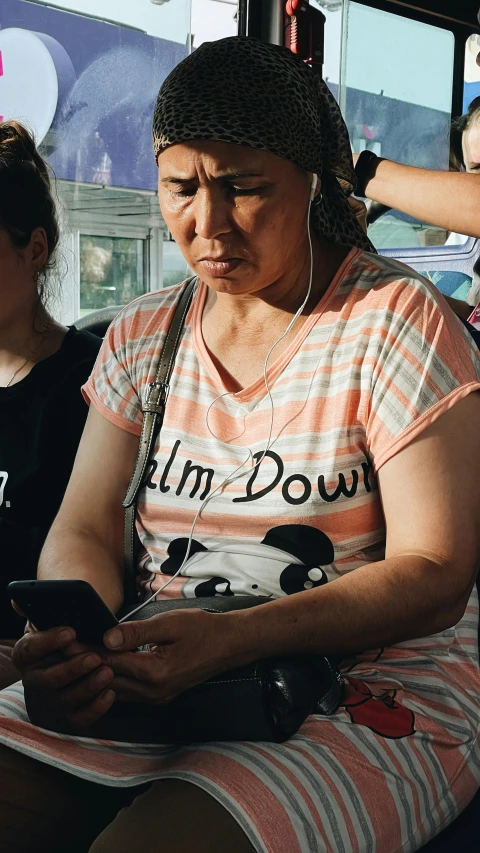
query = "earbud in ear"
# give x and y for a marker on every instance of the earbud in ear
(314, 186)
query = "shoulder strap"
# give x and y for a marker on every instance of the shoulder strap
(153, 411)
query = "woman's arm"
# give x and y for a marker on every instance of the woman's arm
(67, 687)
(86, 538)
(431, 500)
(449, 200)
(462, 309)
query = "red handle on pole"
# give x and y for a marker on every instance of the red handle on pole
(304, 32)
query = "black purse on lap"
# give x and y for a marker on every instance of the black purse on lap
(268, 700)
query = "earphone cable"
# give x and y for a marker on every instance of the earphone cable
(239, 471)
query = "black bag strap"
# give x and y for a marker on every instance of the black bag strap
(153, 411)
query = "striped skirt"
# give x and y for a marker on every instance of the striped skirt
(395, 764)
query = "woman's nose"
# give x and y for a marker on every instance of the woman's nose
(211, 215)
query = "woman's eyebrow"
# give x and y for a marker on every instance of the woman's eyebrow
(172, 179)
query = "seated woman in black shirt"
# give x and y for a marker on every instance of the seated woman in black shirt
(42, 366)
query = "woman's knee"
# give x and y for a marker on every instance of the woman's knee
(173, 817)
(43, 808)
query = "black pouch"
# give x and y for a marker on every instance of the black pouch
(268, 700)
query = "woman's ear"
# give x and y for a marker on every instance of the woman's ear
(37, 249)
(316, 186)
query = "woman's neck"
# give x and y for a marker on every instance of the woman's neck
(25, 339)
(277, 303)
(239, 332)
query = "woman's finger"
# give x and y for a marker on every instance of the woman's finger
(89, 714)
(142, 666)
(63, 673)
(85, 691)
(131, 635)
(33, 647)
(77, 648)
(162, 629)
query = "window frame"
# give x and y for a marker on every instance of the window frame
(461, 31)
(102, 226)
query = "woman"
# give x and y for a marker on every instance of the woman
(465, 149)
(42, 367)
(369, 390)
(466, 155)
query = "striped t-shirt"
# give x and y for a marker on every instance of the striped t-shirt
(373, 365)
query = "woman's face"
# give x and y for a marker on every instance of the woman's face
(471, 147)
(238, 215)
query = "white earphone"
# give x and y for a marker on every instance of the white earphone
(314, 186)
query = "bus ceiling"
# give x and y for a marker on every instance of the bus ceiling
(464, 12)
(264, 19)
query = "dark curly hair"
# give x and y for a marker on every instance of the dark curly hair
(459, 126)
(26, 200)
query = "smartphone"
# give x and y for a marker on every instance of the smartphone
(72, 603)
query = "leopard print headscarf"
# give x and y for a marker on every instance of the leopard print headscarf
(246, 92)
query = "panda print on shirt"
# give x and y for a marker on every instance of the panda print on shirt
(290, 558)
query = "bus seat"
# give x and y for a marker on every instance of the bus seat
(462, 835)
(97, 322)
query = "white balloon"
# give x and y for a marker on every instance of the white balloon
(34, 70)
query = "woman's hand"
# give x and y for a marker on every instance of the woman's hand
(65, 686)
(189, 646)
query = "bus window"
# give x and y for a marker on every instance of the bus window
(333, 42)
(174, 265)
(113, 271)
(471, 88)
(396, 95)
(84, 76)
(213, 19)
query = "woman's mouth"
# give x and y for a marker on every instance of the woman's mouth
(219, 266)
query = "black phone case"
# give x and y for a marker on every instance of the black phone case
(72, 603)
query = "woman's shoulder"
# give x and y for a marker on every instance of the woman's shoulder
(377, 281)
(383, 300)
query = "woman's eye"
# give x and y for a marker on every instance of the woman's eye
(245, 191)
(184, 191)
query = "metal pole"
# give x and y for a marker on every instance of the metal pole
(262, 19)
(272, 21)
